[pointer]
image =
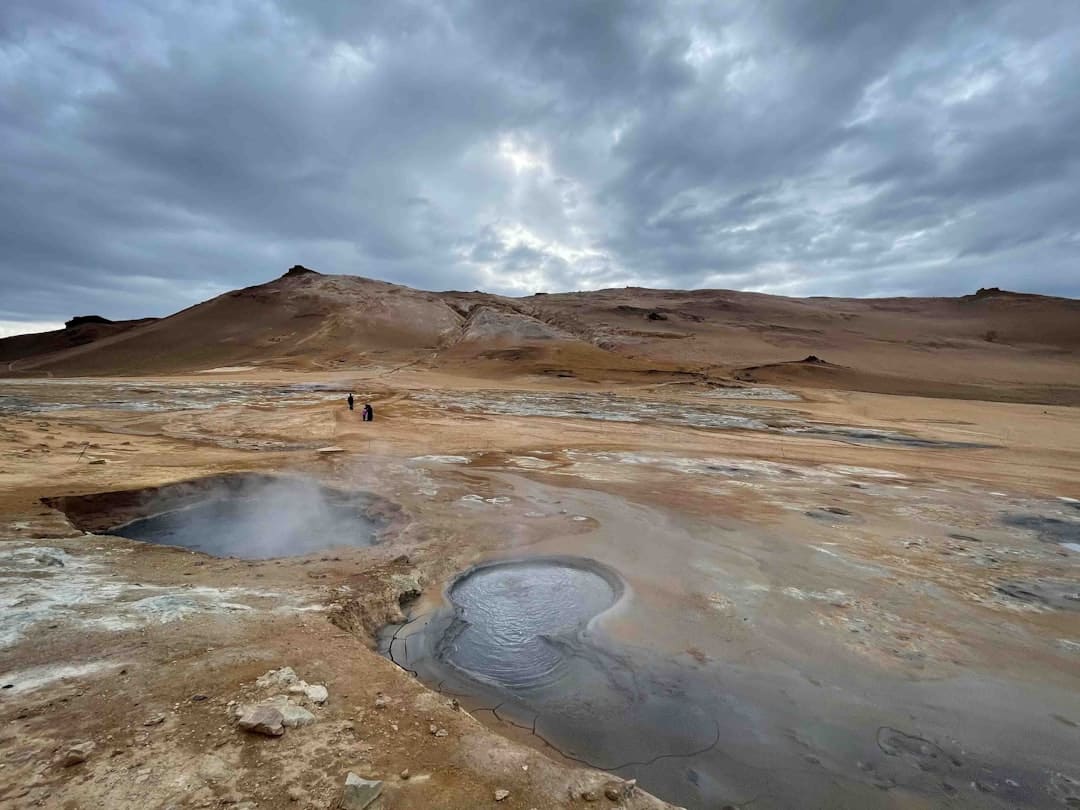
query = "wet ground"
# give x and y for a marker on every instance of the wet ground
(786, 661)
(729, 619)
(699, 412)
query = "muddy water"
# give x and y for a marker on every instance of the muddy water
(259, 519)
(746, 663)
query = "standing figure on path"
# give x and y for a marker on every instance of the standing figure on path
(350, 400)
(369, 413)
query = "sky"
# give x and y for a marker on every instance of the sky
(157, 153)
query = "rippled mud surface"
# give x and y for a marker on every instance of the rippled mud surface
(720, 662)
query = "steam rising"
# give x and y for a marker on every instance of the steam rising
(258, 518)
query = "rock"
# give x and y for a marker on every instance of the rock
(263, 719)
(277, 677)
(78, 753)
(442, 732)
(405, 774)
(98, 461)
(501, 794)
(156, 720)
(359, 793)
(295, 794)
(590, 796)
(380, 701)
(293, 716)
(316, 693)
(618, 790)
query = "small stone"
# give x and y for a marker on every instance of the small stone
(433, 728)
(380, 701)
(78, 753)
(317, 693)
(295, 794)
(293, 716)
(263, 720)
(501, 794)
(590, 796)
(405, 774)
(442, 732)
(99, 461)
(613, 793)
(359, 793)
(277, 677)
(156, 720)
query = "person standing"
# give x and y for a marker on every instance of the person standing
(369, 413)
(350, 400)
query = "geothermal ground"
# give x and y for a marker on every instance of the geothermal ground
(739, 597)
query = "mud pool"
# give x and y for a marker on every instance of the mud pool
(763, 689)
(245, 516)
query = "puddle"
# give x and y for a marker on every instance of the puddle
(246, 516)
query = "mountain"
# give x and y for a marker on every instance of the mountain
(993, 344)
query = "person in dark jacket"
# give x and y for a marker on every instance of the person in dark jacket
(369, 413)
(350, 400)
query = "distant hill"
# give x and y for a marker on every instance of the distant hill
(993, 344)
(79, 331)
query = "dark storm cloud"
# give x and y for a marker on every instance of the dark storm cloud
(156, 154)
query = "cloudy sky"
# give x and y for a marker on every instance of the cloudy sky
(158, 152)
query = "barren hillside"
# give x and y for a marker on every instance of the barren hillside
(991, 345)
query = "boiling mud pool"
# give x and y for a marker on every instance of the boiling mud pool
(260, 519)
(524, 641)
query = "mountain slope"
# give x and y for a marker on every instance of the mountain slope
(992, 345)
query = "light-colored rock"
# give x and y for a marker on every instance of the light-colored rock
(155, 720)
(442, 732)
(293, 716)
(359, 793)
(405, 774)
(277, 677)
(77, 753)
(590, 795)
(501, 794)
(316, 693)
(263, 719)
(380, 701)
(295, 794)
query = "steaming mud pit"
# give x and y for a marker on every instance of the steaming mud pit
(247, 516)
